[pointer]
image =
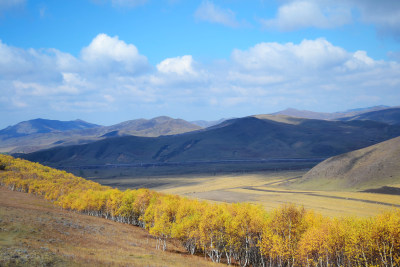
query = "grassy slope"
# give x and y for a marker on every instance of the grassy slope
(33, 232)
(371, 167)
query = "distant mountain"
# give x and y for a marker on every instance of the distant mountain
(390, 116)
(29, 139)
(154, 127)
(254, 137)
(327, 116)
(371, 167)
(205, 124)
(305, 114)
(37, 126)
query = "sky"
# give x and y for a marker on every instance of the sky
(108, 61)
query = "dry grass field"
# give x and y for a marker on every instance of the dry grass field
(274, 189)
(33, 232)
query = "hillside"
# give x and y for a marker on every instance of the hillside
(371, 167)
(42, 137)
(36, 233)
(325, 115)
(40, 126)
(249, 138)
(389, 116)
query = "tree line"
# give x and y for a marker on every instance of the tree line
(240, 233)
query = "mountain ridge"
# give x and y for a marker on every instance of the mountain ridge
(326, 115)
(236, 139)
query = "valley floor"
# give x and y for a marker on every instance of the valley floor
(33, 232)
(269, 189)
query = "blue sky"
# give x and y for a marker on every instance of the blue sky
(107, 61)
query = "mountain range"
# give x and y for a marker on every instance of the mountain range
(248, 138)
(33, 135)
(164, 139)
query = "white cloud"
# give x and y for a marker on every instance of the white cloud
(109, 54)
(298, 14)
(306, 56)
(308, 13)
(360, 60)
(177, 65)
(209, 12)
(25, 64)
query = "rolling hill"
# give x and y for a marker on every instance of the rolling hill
(154, 127)
(61, 133)
(248, 138)
(390, 116)
(371, 167)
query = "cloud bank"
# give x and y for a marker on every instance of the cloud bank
(111, 75)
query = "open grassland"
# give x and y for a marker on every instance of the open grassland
(271, 190)
(33, 232)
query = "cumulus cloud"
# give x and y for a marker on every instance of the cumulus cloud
(178, 65)
(109, 54)
(275, 57)
(209, 12)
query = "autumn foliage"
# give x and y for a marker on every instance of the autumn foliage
(241, 233)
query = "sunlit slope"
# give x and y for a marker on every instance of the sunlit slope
(249, 138)
(372, 167)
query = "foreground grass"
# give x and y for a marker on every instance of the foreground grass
(33, 232)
